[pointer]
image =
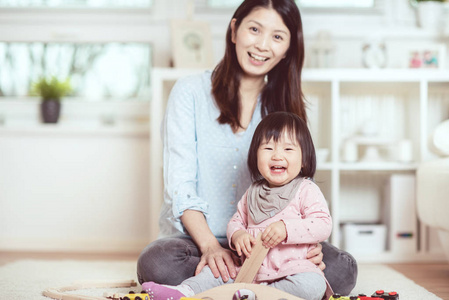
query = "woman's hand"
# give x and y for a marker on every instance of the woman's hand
(243, 242)
(316, 256)
(274, 234)
(221, 262)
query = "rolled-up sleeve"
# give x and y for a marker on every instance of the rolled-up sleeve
(180, 153)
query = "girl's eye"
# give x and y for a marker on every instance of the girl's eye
(268, 148)
(288, 149)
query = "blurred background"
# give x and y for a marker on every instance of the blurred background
(376, 78)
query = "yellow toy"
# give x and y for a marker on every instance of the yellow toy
(133, 296)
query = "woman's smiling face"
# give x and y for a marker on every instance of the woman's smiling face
(261, 41)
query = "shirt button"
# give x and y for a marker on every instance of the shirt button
(236, 149)
(235, 167)
(234, 185)
(232, 202)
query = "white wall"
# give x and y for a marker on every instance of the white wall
(73, 187)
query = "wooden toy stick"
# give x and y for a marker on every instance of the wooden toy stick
(253, 263)
(60, 293)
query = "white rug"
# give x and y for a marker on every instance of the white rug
(27, 279)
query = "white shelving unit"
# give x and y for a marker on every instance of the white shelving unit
(402, 104)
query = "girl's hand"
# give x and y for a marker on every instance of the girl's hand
(274, 234)
(243, 242)
(221, 262)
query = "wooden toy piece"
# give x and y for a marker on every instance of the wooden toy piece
(253, 263)
(56, 294)
(228, 291)
(60, 293)
(114, 296)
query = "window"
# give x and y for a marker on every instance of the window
(224, 3)
(77, 3)
(304, 3)
(99, 45)
(336, 3)
(96, 71)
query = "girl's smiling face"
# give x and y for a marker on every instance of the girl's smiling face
(279, 162)
(261, 41)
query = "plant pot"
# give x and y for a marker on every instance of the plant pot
(50, 110)
(430, 15)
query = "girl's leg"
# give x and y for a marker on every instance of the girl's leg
(310, 286)
(204, 281)
(189, 287)
(170, 260)
(341, 269)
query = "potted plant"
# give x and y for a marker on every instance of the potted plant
(51, 90)
(429, 13)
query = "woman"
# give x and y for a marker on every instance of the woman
(208, 126)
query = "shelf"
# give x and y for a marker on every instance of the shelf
(378, 166)
(61, 129)
(400, 106)
(341, 75)
(382, 166)
(375, 75)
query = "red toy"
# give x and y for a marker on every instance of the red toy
(385, 295)
(379, 294)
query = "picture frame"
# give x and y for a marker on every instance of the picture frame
(431, 56)
(191, 44)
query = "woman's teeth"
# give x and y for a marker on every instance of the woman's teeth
(258, 58)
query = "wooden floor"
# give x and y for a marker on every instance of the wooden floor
(433, 277)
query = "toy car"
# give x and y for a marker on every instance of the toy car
(375, 296)
(133, 296)
(365, 297)
(385, 295)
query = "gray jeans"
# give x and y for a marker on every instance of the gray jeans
(310, 286)
(174, 259)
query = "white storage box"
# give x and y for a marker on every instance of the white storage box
(364, 238)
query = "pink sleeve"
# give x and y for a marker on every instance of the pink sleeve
(239, 220)
(315, 223)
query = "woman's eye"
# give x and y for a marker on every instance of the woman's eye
(278, 37)
(288, 149)
(253, 29)
(268, 148)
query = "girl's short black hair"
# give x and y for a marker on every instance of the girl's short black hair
(272, 127)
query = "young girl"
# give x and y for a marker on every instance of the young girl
(283, 204)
